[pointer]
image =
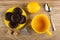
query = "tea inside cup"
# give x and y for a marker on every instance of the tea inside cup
(40, 23)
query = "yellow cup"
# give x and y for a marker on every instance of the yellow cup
(41, 24)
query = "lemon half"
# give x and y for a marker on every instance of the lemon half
(33, 7)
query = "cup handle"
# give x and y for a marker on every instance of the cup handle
(48, 33)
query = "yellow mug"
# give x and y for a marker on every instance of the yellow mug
(41, 24)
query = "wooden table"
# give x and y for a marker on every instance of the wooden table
(55, 5)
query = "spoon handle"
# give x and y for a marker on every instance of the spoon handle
(52, 23)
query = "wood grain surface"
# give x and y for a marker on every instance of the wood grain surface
(55, 5)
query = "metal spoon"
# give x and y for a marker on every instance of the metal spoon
(48, 9)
